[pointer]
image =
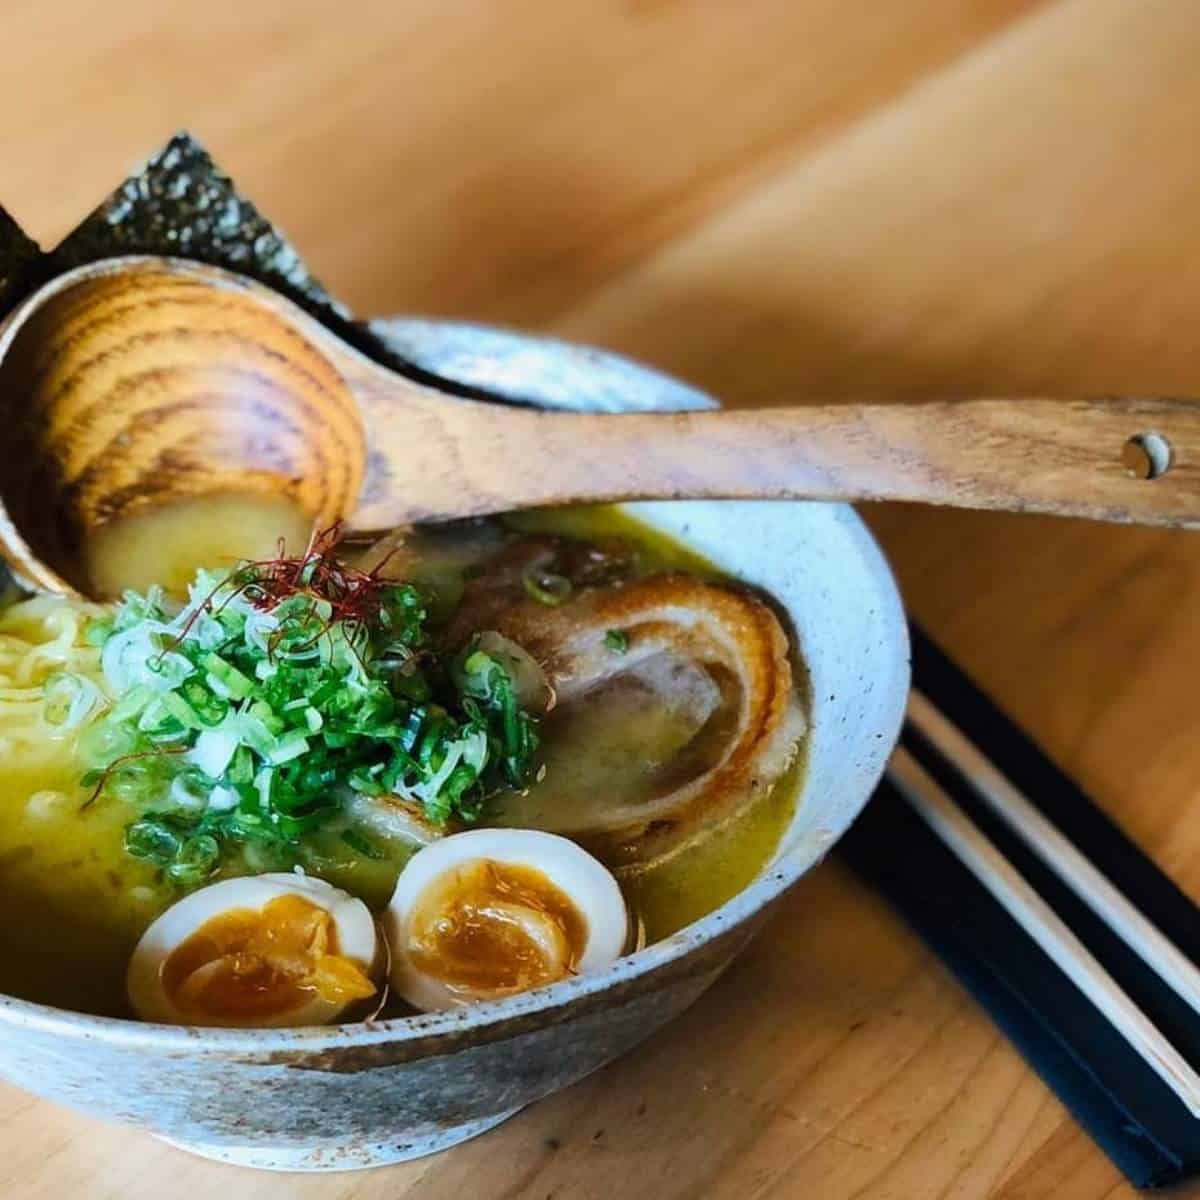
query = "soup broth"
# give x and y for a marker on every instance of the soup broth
(627, 737)
(75, 902)
(165, 545)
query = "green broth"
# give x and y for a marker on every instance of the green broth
(76, 902)
(703, 875)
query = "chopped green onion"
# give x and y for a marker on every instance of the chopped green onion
(176, 706)
(288, 748)
(69, 699)
(546, 587)
(195, 859)
(151, 838)
(228, 676)
(98, 631)
(246, 720)
(364, 846)
(616, 640)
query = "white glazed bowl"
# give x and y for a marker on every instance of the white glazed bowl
(353, 1096)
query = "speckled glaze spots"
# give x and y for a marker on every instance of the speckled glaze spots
(355, 1158)
(355, 1096)
(540, 371)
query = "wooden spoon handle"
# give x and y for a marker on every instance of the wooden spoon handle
(1115, 459)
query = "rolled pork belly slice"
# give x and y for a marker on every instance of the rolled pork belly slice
(675, 708)
(674, 702)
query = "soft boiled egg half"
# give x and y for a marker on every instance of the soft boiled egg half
(264, 951)
(490, 912)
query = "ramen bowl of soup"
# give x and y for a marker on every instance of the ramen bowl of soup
(323, 856)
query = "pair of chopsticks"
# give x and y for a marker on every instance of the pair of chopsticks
(1006, 884)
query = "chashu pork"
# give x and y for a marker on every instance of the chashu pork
(675, 700)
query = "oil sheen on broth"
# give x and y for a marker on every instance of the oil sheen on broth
(75, 902)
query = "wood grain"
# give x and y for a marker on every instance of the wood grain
(120, 391)
(1027, 454)
(446, 156)
(130, 383)
(774, 199)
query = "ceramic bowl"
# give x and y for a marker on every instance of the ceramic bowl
(361, 1095)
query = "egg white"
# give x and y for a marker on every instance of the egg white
(583, 879)
(357, 939)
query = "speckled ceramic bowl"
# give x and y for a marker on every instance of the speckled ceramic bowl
(357, 1096)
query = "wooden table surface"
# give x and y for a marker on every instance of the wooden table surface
(777, 199)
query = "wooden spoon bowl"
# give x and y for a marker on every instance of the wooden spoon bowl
(123, 388)
(133, 382)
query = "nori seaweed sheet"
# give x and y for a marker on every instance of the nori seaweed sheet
(181, 204)
(19, 258)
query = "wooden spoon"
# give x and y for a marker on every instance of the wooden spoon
(132, 382)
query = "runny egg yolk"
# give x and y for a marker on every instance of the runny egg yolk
(489, 928)
(246, 963)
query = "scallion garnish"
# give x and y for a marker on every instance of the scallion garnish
(616, 640)
(279, 691)
(546, 587)
(69, 699)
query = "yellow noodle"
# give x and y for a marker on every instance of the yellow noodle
(39, 637)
